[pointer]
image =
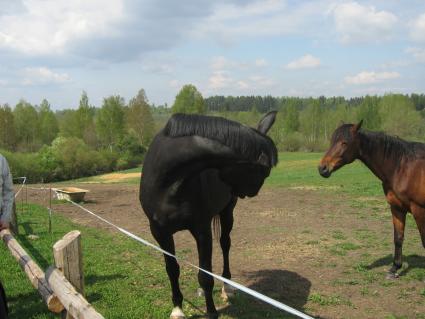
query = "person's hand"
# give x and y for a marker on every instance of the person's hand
(4, 225)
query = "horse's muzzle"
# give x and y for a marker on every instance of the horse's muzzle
(324, 171)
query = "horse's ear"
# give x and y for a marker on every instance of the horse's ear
(266, 122)
(357, 126)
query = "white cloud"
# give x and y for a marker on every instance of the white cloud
(122, 30)
(417, 31)
(261, 62)
(163, 68)
(174, 84)
(43, 75)
(49, 26)
(417, 53)
(356, 23)
(259, 81)
(220, 63)
(242, 85)
(231, 22)
(304, 62)
(219, 80)
(369, 77)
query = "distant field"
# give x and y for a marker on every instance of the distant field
(295, 170)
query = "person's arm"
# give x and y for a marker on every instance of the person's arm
(8, 195)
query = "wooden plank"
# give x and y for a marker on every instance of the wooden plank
(68, 259)
(76, 305)
(33, 271)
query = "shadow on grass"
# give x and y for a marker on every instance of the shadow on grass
(92, 279)
(285, 286)
(27, 245)
(413, 262)
(27, 305)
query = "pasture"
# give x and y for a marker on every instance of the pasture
(320, 245)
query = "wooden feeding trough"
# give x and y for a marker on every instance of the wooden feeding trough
(70, 193)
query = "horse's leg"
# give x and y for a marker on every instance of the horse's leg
(226, 221)
(166, 242)
(399, 220)
(419, 215)
(204, 245)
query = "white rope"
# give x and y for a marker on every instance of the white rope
(22, 186)
(247, 290)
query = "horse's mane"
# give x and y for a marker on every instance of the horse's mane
(393, 147)
(245, 141)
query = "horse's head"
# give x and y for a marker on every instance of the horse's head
(246, 177)
(343, 150)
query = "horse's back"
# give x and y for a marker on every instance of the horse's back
(175, 194)
(409, 182)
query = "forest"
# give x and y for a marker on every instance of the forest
(47, 145)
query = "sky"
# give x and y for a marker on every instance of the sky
(55, 49)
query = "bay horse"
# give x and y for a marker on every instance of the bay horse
(399, 164)
(194, 171)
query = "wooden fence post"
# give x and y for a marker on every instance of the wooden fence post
(68, 259)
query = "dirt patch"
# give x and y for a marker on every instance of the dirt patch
(117, 176)
(314, 188)
(306, 248)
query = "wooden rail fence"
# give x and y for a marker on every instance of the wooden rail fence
(62, 286)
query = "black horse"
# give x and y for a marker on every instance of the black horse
(194, 171)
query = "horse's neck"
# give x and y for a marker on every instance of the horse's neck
(373, 156)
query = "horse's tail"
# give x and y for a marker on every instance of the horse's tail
(216, 227)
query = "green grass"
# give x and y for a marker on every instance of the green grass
(123, 278)
(333, 300)
(300, 170)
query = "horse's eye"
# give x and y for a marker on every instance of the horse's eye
(344, 143)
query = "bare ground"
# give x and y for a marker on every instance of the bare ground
(310, 249)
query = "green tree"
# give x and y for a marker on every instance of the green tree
(189, 100)
(27, 126)
(49, 127)
(140, 119)
(68, 124)
(368, 111)
(7, 128)
(310, 121)
(84, 121)
(110, 124)
(399, 116)
(291, 121)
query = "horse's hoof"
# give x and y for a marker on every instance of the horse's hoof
(200, 292)
(392, 276)
(227, 292)
(177, 313)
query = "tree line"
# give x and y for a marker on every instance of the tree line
(49, 146)
(89, 140)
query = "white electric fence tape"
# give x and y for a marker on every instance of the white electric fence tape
(22, 186)
(247, 290)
